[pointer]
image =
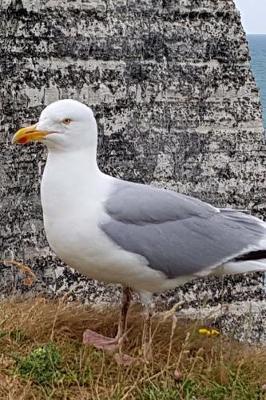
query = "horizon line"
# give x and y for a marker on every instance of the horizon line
(254, 33)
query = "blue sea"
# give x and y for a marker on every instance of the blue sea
(257, 47)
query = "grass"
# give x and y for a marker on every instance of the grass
(42, 357)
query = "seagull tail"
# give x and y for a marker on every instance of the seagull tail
(245, 266)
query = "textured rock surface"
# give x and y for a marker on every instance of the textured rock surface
(176, 103)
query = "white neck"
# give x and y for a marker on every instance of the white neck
(79, 161)
(68, 178)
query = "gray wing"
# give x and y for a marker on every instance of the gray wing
(179, 235)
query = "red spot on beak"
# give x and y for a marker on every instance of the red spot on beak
(23, 140)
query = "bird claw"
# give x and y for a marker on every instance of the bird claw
(125, 359)
(101, 342)
(110, 345)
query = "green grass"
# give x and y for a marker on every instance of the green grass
(154, 392)
(237, 389)
(41, 365)
(42, 357)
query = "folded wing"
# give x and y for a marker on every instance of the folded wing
(177, 234)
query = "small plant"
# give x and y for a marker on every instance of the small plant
(41, 365)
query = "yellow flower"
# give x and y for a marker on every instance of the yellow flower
(208, 331)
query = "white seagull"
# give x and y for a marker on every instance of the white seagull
(146, 239)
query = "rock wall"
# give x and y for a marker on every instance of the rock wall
(176, 104)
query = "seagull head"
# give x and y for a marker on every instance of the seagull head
(63, 125)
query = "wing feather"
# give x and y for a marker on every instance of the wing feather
(179, 235)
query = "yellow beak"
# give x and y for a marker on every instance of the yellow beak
(29, 134)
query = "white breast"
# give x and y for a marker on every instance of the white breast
(73, 210)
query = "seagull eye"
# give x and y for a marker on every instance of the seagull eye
(66, 121)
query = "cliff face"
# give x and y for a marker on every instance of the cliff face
(176, 104)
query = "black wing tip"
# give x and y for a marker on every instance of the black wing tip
(252, 256)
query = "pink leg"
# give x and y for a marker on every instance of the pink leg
(146, 336)
(106, 343)
(126, 360)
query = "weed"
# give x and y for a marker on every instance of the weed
(41, 365)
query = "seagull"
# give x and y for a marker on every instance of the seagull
(147, 239)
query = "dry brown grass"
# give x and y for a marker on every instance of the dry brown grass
(211, 368)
